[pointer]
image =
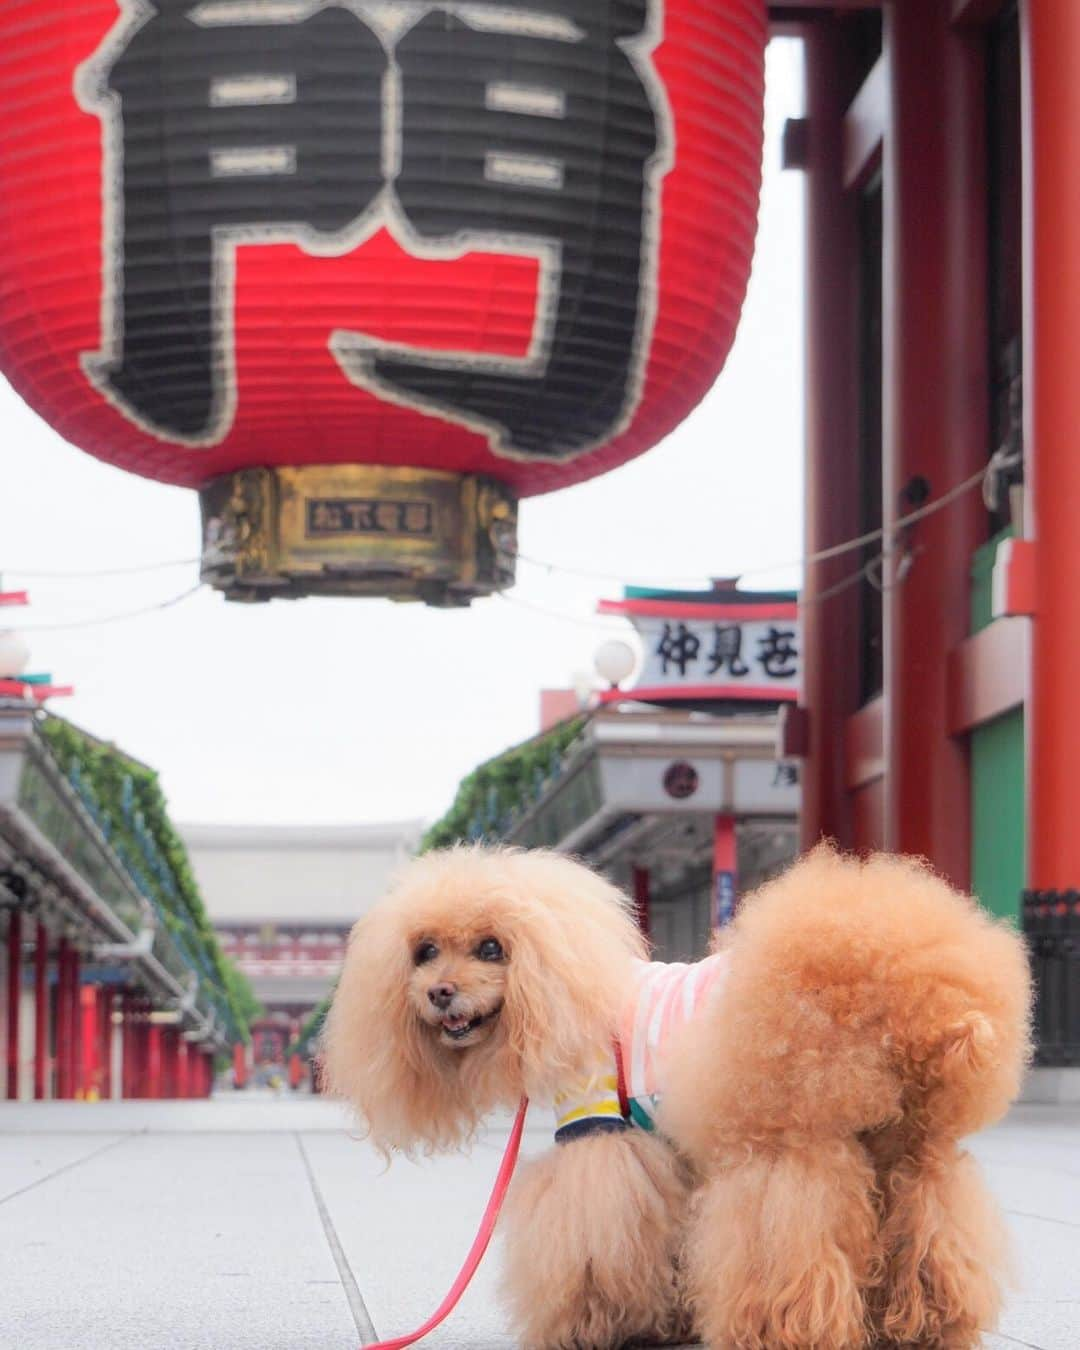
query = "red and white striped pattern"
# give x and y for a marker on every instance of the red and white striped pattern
(664, 998)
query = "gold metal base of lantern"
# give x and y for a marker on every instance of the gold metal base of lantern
(328, 529)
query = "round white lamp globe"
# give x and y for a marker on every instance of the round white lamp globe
(14, 654)
(615, 661)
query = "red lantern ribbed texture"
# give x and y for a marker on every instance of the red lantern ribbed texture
(505, 240)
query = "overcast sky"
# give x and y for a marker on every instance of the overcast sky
(335, 711)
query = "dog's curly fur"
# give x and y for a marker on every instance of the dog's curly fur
(807, 1190)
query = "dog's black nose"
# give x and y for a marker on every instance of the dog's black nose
(442, 994)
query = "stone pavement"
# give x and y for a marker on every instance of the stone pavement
(257, 1222)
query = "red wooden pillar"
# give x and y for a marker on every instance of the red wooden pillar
(725, 871)
(75, 1041)
(642, 898)
(183, 1067)
(136, 1068)
(171, 1043)
(105, 1040)
(14, 1000)
(154, 1065)
(206, 1073)
(88, 1087)
(240, 1074)
(165, 1043)
(833, 508)
(41, 1011)
(127, 1046)
(935, 412)
(1051, 53)
(296, 1071)
(64, 1027)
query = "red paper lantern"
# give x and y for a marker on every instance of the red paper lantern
(365, 275)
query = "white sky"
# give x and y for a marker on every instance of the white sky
(333, 711)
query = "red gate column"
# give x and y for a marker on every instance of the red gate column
(64, 1028)
(240, 1066)
(14, 1000)
(206, 1073)
(1051, 31)
(153, 1060)
(127, 1046)
(725, 871)
(183, 1073)
(642, 896)
(935, 412)
(75, 1040)
(41, 1011)
(830, 672)
(88, 1088)
(105, 1041)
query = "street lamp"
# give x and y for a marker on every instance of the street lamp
(615, 661)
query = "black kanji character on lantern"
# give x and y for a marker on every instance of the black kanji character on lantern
(678, 647)
(727, 649)
(505, 136)
(534, 132)
(218, 133)
(786, 775)
(777, 653)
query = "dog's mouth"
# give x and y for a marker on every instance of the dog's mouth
(459, 1028)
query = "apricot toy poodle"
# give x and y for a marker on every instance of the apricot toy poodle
(761, 1149)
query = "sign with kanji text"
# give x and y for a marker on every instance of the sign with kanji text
(723, 649)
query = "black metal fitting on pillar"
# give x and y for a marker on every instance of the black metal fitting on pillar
(1051, 921)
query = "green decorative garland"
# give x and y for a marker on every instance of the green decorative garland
(121, 787)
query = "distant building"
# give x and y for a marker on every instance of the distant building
(283, 898)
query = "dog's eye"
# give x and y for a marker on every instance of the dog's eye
(427, 951)
(490, 950)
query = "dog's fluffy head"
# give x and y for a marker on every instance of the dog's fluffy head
(483, 974)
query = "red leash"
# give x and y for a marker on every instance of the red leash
(480, 1242)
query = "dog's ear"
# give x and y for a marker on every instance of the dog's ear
(571, 954)
(374, 1054)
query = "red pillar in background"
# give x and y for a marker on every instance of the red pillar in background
(171, 1043)
(88, 1087)
(14, 1000)
(296, 1070)
(935, 420)
(725, 871)
(183, 1067)
(105, 1040)
(41, 1011)
(127, 1046)
(833, 512)
(75, 1045)
(64, 1029)
(641, 899)
(135, 1050)
(153, 1080)
(1051, 53)
(240, 1074)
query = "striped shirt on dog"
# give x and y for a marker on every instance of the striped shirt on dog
(662, 998)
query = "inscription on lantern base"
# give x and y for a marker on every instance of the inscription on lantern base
(402, 533)
(327, 516)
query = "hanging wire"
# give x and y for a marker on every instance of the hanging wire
(809, 559)
(136, 569)
(864, 573)
(1002, 459)
(112, 618)
(600, 621)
